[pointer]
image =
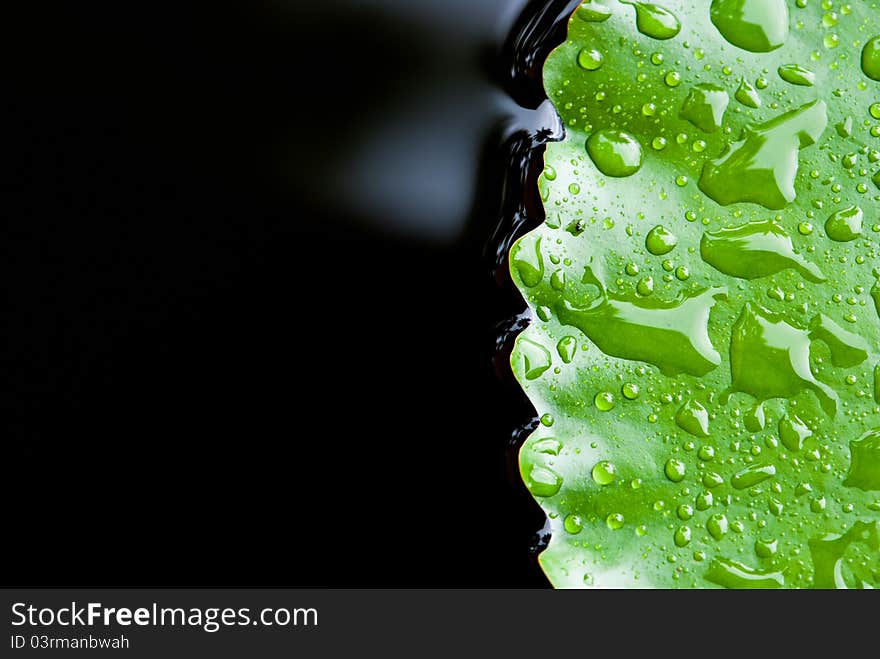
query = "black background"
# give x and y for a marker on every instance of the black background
(218, 375)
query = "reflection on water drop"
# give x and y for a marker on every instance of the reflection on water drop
(590, 59)
(604, 472)
(543, 482)
(747, 94)
(871, 59)
(797, 75)
(753, 250)
(845, 225)
(593, 12)
(758, 26)
(693, 418)
(614, 152)
(733, 574)
(864, 468)
(527, 259)
(761, 167)
(660, 241)
(704, 107)
(655, 21)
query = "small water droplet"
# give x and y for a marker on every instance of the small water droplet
(604, 472)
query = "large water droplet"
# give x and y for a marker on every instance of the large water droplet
(660, 240)
(655, 21)
(756, 249)
(675, 470)
(864, 467)
(566, 348)
(717, 525)
(845, 225)
(755, 25)
(593, 12)
(604, 472)
(871, 59)
(543, 482)
(770, 358)
(761, 167)
(752, 475)
(671, 335)
(797, 75)
(693, 418)
(792, 432)
(704, 107)
(527, 259)
(733, 574)
(590, 59)
(829, 553)
(615, 152)
(847, 349)
(534, 357)
(747, 94)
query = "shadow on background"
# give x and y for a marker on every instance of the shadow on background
(251, 324)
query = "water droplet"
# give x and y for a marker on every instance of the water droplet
(753, 250)
(761, 168)
(674, 470)
(871, 59)
(590, 59)
(660, 241)
(630, 390)
(706, 453)
(874, 110)
(747, 95)
(534, 358)
(766, 548)
(793, 432)
(752, 475)
(717, 525)
(573, 524)
(705, 106)
(658, 143)
(604, 401)
(672, 79)
(614, 152)
(548, 445)
(770, 358)
(758, 26)
(671, 335)
(567, 347)
(818, 504)
(543, 482)
(682, 536)
(645, 286)
(797, 75)
(547, 419)
(733, 574)
(604, 472)
(692, 417)
(712, 479)
(845, 225)
(614, 521)
(805, 228)
(684, 512)
(593, 12)
(704, 501)
(864, 468)
(655, 21)
(527, 259)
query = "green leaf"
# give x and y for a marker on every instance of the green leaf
(705, 351)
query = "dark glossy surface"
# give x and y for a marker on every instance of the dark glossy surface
(194, 217)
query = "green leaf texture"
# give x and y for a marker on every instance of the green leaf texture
(704, 352)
